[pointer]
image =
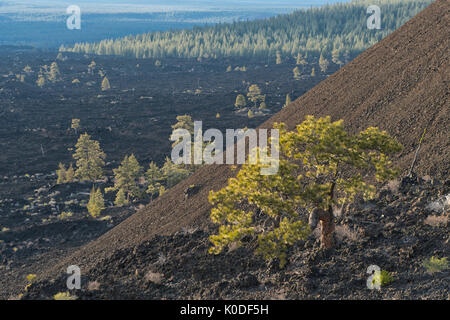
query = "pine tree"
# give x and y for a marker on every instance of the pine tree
(313, 159)
(297, 73)
(183, 122)
(90, 159)
(75, 125)
(105, 84)
(91, 67)
(96, 203)
(70, 174)
(279, 60)
(300, 60)
(54, 74)
(240, 101)
(61, 173)
(64, 175)
(154, 179)
(121, 199)
(346, 56)
(126, 177)
(161, 190)
(40, 81)
(336, 56)
(288, 100)
(173, 174)
(254, 94)
(323, 63)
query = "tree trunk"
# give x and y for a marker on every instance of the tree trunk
(328, 228)
(326, 218)
(327, 222)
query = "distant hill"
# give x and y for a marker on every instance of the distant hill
(400, 85)
(337, 30)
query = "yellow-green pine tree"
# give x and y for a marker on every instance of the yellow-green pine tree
(279, 60)
(297, 73)
(54, 74)
(40, 81)
(61, 173)
(121, 199)
(96, 203)
(240, 101)
(312, 162)
(90, 159)
(105, 84)
(288, 100)
(126, 177)
(323, 63)
(254, 94)
(70, 174)
(75, 125)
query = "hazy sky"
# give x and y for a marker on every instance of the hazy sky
(56, 6)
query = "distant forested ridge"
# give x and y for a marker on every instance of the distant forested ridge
(339, 29)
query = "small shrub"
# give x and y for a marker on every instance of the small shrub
(154, 277)
(162, 259)
(344, 232)
(64, 296)
(435, 264)
(383, 278)
(93, 286)
(65, 215)
(30, 279)
(393, 185)
(436, 221)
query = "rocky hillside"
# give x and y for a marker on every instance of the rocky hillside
(399, 231)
